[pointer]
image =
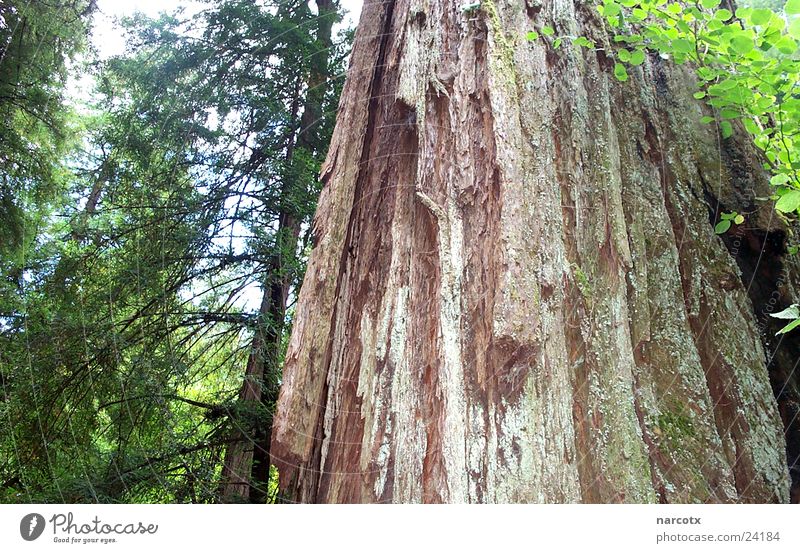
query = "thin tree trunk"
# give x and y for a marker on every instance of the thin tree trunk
(246, 467)
(104, 174)
(516, 293)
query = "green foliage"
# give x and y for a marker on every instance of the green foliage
(791, 313)
(549, 32)
(726, 220)
(124, 334)
(620, 72)
(748, 68)
(38, 40)
(788, 200)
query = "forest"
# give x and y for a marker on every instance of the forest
(502, 251)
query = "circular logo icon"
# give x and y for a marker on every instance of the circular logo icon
(31, 526)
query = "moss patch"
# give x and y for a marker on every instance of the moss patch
(674, 427)
(503, 54)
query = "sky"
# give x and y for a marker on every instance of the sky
(109, 40)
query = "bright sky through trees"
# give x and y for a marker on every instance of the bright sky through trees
(109, 41)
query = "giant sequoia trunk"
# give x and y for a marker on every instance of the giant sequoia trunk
(516, 292)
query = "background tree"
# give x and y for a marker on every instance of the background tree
(38, 40)
(246, 473)
(38, 43)
(124, 351)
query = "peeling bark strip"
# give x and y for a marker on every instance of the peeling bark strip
(516, 293)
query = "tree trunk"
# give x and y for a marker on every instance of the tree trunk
(245, 473)
(516, 293)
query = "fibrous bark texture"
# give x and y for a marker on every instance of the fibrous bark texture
(516, 293)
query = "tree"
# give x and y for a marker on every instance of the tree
(246, 469)
(123, 337)
(100, 347)
(38, 41)
(516, 291)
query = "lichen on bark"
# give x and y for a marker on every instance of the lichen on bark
(516, 293)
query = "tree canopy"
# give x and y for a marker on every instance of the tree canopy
(138, 231)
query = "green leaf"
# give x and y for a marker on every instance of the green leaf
(727, 216)
(620, 72)
(726, 128)
(790, 326)
(729, 113)
(722, 15)
(760, 16)
(628, 38)
(532, 35)
(707, 119)
(742, 44)
(557, 43)
(674, 8)
(624, 55)
(794, 28)
(764, 103)
(611, 9)
(682, 45)
(721, 87)
(548, 31)
(710, 4)
(637, 57)
(789, 202)
(792, 7)
(780, 178)
(722, 227)
(706, 74)
(751, 126)
(699, 95)
(786, 45)
(739, 219)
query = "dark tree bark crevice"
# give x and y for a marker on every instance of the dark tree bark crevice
(760, 254)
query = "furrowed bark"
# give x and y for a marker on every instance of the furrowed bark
(516, 293)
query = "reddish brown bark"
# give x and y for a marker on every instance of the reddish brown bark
(516, 292)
